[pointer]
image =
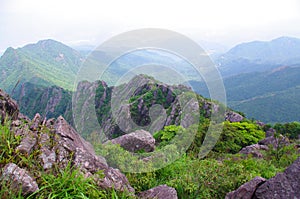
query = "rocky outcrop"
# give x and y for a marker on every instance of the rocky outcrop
(18, 178)
(159, 192)
(8, 107)
(233, 116)
(275, 141)
(136, 141)
(247, 190)
(254, 149)
(52, 143)
(59, 144)
(283, 185)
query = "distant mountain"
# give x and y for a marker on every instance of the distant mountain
(260, 56)
(271, 96)
(47, 62)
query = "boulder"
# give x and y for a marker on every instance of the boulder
(69, 138)
(254, 149)
(136, 141)
(247, 190)
(275, 141)
(114, 179)
(233, 116)
(18, 179)
(159, 192)
(283, 185)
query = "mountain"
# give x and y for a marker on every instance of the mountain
(50, 102)
(47, 62)
(270, 96)
(260, 56)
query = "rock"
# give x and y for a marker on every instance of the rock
(8, 107)
(88, 162)
(254, 149)
(274, 141)
(247, 190)
(19, 179)
(283, 185)
(48, 155)
(136, 141)
(58, 144)
(116, 180)
(233, 116)
(260, 123)
(36, 122)
(28, 142)
(69, 138)
(270, 132)
(159, 192)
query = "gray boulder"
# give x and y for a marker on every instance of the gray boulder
(19, 179)
(275, 141)
(283, 185)
(254, 149)
(159, 192)
(138, 140)
(233, 116)
(247, 190)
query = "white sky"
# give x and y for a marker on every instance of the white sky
(92, 21)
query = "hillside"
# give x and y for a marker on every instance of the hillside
(47, 62)
(270, 96)
(260, 56)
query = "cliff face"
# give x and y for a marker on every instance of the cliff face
(141, 103)
(48, 101)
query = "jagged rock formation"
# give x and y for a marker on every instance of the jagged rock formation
(8, 107)
(143, 103)
(136, 141)
(283, 185)
(58, 145)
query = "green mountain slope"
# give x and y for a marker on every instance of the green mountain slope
(271, 96)
(47, 62)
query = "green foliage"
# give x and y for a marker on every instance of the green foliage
(163, 137)
(210, 178)
(237, 135)
(67, 183)
(102, 106)
(8, 142)
(291, 130)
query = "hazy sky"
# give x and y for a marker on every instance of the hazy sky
(92, 21)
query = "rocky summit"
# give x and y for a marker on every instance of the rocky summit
(53, 143)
